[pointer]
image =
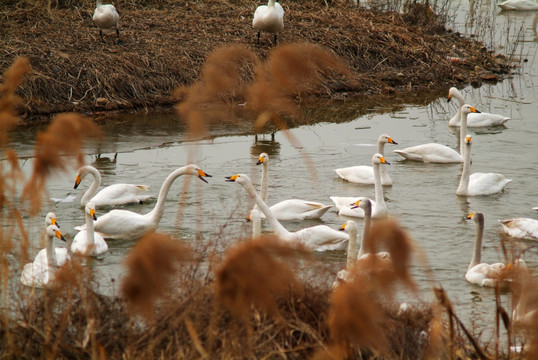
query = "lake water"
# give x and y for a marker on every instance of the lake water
(423, 197)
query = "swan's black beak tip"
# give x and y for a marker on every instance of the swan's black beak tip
(201, 178)
(229, 179)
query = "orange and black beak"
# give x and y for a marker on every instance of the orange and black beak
(474, 110)
(469, 216)
(77, 181)
(355, 204)
(201, 173)
(391, 140)
(59, 235)
(231, 178)
(343, 227)
(53, 221)
(92, 214)
(260, 160)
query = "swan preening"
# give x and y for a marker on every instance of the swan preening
(521, 228)
(87, 242)
(478, 119)
(40, 273)
(106, 16)
(379, 208)
(318, 238)
(478, 183)
(484, 274)
(124, 224)
(521, 5)
(269, 18)
(363, 174)
(290, 209)
(112, 195)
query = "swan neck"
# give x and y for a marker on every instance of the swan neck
(92, 190)
(381, 147)
(90, 235)
(157, 213)
(380, 201)
(256, 223)
(466, 172)
(271, 3)
(352, 247)
(477, 252)
(366, 231)
(463, 132)
(277, 226)
(49, 249)
(264, 186)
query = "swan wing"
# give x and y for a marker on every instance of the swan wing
(480, 120)
(123, 224)
(62, 256)
(432, 152)
(297, 209)
(35, 275)
(80, 244)
(485, 274)
(119, 194)
(521, 228)
(518, 5)
(322, 238)
(360, 174)
(486, 183)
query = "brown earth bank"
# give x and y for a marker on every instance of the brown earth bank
(328, 49)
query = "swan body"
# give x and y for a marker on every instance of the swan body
(520, 228)
(518, 5)
(40, 273)
(478, 183)
(363, 174)
(112, 195)
(105, 16)
(88, 242)
(269, 18)
(318, 238)
(432, 152)
(290, 209)
(478, 119)
(379, 208)
(124, 224)
(479, 273)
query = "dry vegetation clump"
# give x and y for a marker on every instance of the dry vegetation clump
(166, 44)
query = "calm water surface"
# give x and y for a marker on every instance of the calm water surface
(422, 198)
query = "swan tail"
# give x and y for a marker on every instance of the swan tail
(143, 187)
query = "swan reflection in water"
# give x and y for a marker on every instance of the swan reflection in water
(265, 143)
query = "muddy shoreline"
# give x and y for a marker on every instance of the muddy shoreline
(166, 45)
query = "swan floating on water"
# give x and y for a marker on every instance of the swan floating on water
(269, 18)
(318, 238)
(87, 242)
(474, 119)
(364, 174)
(344, 204)
(290, 209)
(520, 228)
(106, 16)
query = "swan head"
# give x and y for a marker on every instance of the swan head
(263, 159)
(54, 231)
(453, 92)
(349, 226)
(50, 219)
(467, 109)
(468, 139)
(379, 159)
(363, 202)
(90, 210)
(239, 178)
(384, 138)
(475, 216)
(196, 171)
(81, 174)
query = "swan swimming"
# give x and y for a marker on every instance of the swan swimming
(124, 224)
(61, 254)
(520, 228)
(290, 209)
(478, 183)
(478, 119)
(344, 204)
(363, 174)
(269, 18)
(318, 238)
(112, 195)
(41, 274)
(520, 5)
(106, 16)
(88, 242)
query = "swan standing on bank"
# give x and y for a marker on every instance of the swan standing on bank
(40, 274)
(318, 238)
(478, 119)
(521, 228)
(344, 204)
(87, 242)
(112, 195)
(363, 174)
(518, 5)
(269, 18)
(478, 183)
(290, 209)
(106, 16)
(124, 224)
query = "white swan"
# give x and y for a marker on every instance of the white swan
(363, 174)
(61, 254)
(343, 275)
(269, 18)
(51, 219)
(41, 274)
(520, 228)
(87, 242)
(112, 195)
(478, 119)
(318, 238)
(344, 204)
(481, 273)
(518, 5)
(124, 224)
(106, 16)
(478, 183)
(290, 209)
